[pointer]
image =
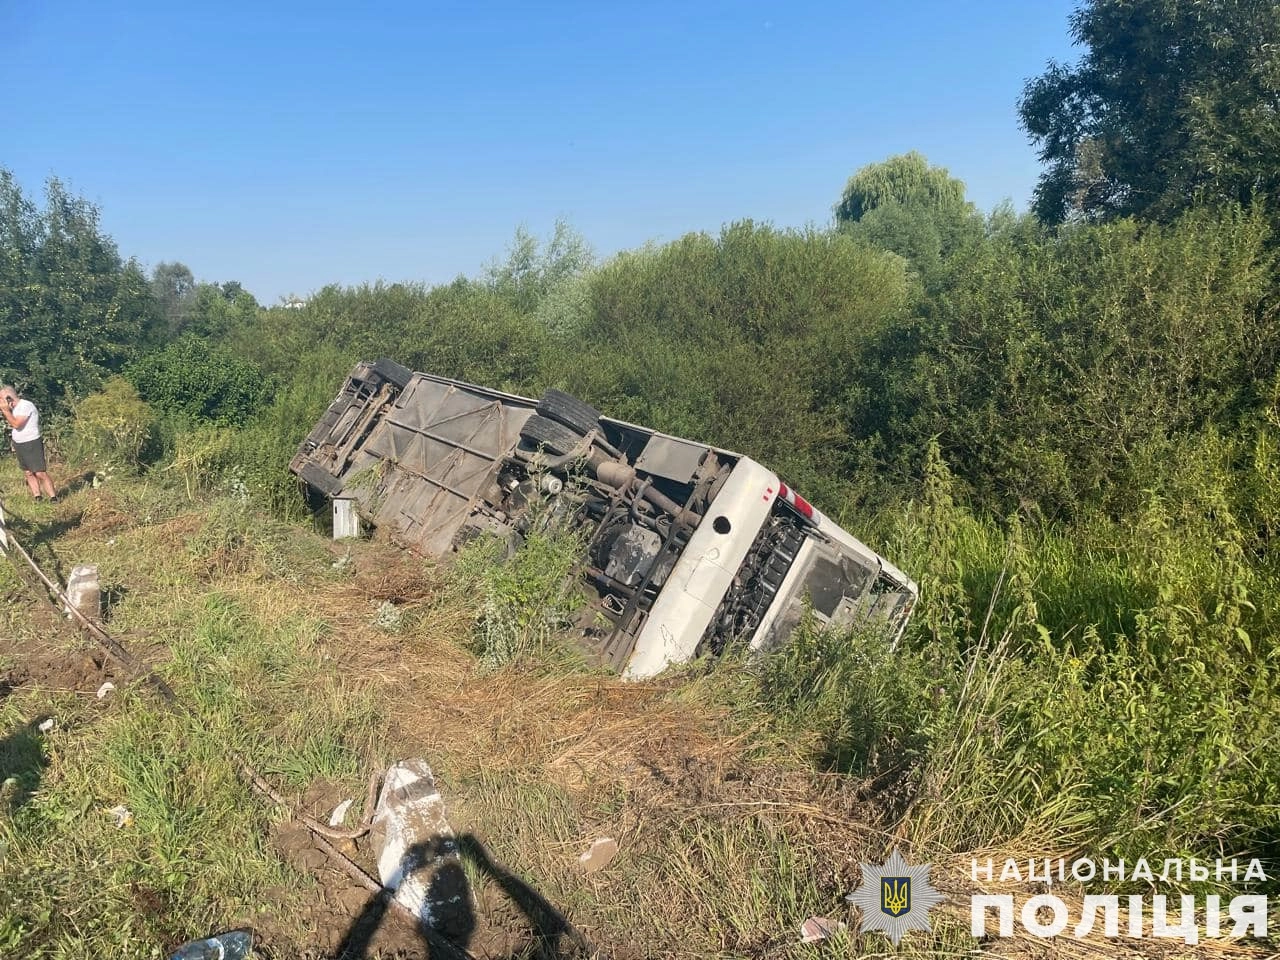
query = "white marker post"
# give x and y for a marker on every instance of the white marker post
(346, 523)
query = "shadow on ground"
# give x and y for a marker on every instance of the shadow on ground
(551, 935)
(22, 763)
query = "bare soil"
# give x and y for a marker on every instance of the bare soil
(626, 761)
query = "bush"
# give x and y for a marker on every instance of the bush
(111, 428)
(195, 380)
(1057, 366)
(874, 710)
(200, 457)
(1107, 688)
(526, 599)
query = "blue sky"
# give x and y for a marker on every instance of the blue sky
(291, 145)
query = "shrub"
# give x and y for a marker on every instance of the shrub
(111, 428)
(200, 457)
(874, 710)
(193, 379)
(526, 598)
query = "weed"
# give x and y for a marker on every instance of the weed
(526, 599)
(111, 428)
(199, 456)
(388, 617)
(874, 711)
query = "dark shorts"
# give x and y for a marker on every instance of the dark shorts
(31, 455)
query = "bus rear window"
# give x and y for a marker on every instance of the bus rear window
(828, 582)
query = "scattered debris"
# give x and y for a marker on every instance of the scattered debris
(598, 855)
(46, 725)
(389, 617)
(233, 945)
(105, 689)
(418, 855)
(339, 814)
(84, 592)
(123, 815)
(817, 929)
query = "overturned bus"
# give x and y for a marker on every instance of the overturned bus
(688, 548)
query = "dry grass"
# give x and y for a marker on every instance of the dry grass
(728, 841)
(104, 515)
(541, 763)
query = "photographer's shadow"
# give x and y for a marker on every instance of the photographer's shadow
(551, 935)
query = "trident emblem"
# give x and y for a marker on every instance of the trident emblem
(895, 895)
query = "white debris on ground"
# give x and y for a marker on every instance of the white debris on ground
(817, 929)
(339, 814)
(418, 854)
(598, 855)
(84, 592)
(388, 617)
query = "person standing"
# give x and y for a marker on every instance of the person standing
(24, 419)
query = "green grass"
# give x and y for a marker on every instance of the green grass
(196, 856)
(1072, 706)
(527, 599)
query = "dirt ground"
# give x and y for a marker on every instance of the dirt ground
(576, 738)
(728, 837)
(348, 921)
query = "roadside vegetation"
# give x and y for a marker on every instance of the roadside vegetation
(1064, 424)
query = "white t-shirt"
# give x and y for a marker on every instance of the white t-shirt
(31, 429)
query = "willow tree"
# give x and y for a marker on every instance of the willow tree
(909, 207)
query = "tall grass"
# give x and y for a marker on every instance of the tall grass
(1106, 688)
(525, 600)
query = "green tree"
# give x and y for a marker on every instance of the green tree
(1174, 101)
(906, 179)
(217, 309)
(756, 340)
(74, 311)
(532, 270)
(1061, 366)
(174, 288)
(196, 380)
(910, 208)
